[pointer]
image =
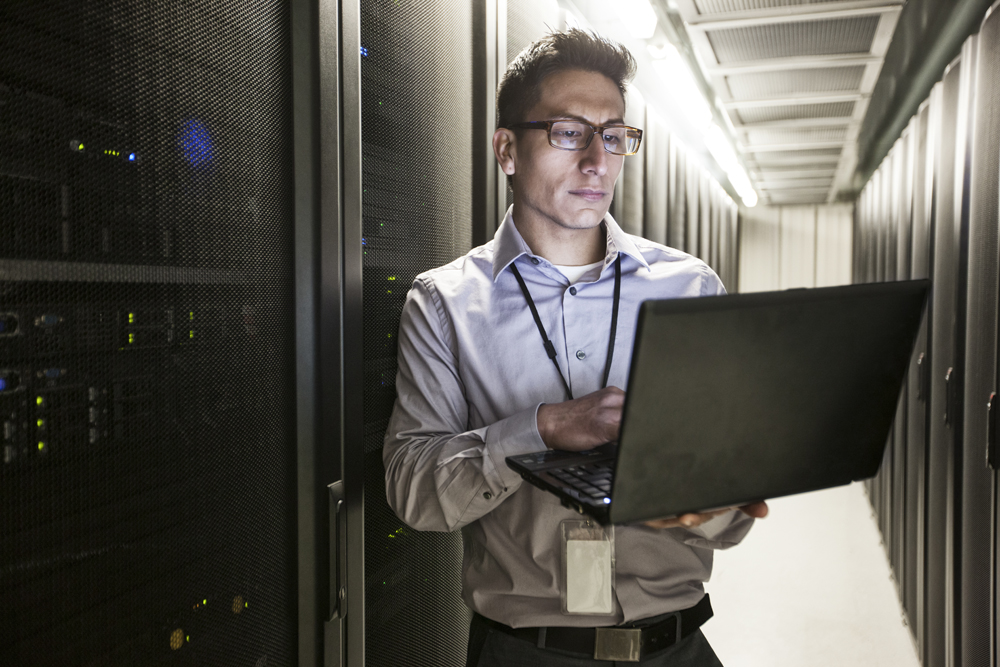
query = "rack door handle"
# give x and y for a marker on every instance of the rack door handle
(922, 368)
(991, 432)
(949, 391)
(338, 549)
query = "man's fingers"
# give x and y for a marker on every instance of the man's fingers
(756, 510)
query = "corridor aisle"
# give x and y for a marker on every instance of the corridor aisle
(809, 586)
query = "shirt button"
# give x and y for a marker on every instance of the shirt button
(572, 290)
(487, 495)
(581, 355)
(534, 260)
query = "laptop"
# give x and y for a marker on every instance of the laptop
(739, 398)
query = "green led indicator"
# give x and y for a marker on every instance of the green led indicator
(39, 400)
(41, 446)
(131, 318)
(191, 315)
(190, 334)
(131, 338)
(41, 423)
(204, 601)
(392, 277)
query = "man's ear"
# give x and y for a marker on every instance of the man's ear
(504, 147)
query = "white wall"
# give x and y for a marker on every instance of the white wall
(782, 247)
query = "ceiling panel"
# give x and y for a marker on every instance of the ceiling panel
(808, 135)
(794, 39)
(723, 6)
(790, 82)
(773, 114)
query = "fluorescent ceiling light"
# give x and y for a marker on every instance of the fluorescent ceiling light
(722, 150)
(682, 88)
(638, 17)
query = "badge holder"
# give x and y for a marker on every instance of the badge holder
(588, 568)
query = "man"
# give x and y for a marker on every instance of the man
(476, 381)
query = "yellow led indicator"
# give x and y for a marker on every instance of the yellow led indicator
(131, 318)
(41, 446)
(204, 601)
(177, 639)
(41, 423)
(190, 334)
(392, 277)
(81, 147)
(39, 400)
(131, 338)
(187, 638)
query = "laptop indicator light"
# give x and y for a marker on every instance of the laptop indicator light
(607, 501)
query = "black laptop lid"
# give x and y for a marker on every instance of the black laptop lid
(752, 396)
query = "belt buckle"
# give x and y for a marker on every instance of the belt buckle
(620, 644)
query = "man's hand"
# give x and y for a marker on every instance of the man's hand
(756, 510)
(583, 423)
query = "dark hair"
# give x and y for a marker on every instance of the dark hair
(520, 88)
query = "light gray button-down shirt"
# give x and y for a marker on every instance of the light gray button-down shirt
(472, 374)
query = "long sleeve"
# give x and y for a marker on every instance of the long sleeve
(722, 532)
(439, 474)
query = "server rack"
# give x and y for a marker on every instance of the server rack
(656, 146)
(147, 344)
(981, 327)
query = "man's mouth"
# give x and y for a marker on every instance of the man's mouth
(589, 195)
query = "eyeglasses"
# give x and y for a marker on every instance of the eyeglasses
(575, 135)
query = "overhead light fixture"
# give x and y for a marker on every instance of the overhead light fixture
(638, 17)
(722, 150)
(681, 86)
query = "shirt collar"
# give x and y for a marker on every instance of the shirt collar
(508, 244)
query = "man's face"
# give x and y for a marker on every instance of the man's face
(573, 189)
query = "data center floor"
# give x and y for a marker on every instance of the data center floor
(810, 585)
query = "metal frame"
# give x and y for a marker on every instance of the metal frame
(888, 11)
(485, 77)
(353, 341)
(316, 142)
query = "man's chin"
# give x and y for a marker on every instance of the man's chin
(583, 219)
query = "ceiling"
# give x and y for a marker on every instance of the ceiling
(795, 77)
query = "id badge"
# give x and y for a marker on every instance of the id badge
(588, 567)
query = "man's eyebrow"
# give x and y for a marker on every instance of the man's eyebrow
(569, 116)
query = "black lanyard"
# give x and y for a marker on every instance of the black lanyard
(551, 350)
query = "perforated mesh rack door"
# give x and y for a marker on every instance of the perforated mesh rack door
(416, 97)
(147, 474)
(981, 323)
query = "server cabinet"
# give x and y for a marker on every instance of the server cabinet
(899, 222)
(630, 188)
(677, 215)
(981, 323)
(692, 182)
(944, 424)
(704, 216)
(415, 205)
(147, 388)
(656, 202)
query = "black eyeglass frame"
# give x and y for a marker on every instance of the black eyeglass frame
(547, 126)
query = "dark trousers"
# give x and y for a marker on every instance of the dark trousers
(492, 648)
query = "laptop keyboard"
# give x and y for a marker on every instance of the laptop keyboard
(591, 480)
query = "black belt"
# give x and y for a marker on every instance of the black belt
(622, 643)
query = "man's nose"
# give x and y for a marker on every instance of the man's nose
(595, 158)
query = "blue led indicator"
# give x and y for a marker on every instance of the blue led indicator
(364, 241)
(607, 501)
(3, 384)
(195, 143)
(131, 157)
(364, 52)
